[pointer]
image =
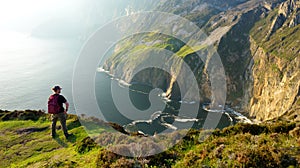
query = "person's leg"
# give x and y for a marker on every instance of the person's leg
(63, 118)
(53, 126)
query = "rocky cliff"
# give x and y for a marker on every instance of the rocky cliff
(275, 72)
(257, 41)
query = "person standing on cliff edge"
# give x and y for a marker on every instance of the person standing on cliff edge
(57, 111)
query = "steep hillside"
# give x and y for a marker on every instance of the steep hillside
(201, 13)
(25, 141)
(275, 42)
(257, 41)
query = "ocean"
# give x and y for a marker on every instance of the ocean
(30, 66)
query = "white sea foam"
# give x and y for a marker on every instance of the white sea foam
(124, 83)
(240, 117)
(169, 126)
(101, 69)
(186, 120)
(155, 115)
(187, 102)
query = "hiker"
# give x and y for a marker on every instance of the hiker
(57, 111)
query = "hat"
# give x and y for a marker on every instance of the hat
(56, 88)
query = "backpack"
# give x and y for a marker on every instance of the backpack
(53, 106)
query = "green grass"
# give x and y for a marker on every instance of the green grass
(284, 43)
(272, 144)
(261, 28)
(187, 50)
(243, 145)
(38, 149)
(241, 150)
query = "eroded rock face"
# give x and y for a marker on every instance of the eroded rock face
(261, 83)
(276, 85)
(288, 9)
(274, 89)
(296, 19)
(277, 23)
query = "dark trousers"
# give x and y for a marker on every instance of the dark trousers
(62, 117)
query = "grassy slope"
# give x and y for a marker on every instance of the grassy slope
(283, 44)
(22, 144)
(274, 144)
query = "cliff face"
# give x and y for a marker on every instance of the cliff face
(132, 58)
(275, 89)
(275, 78)
(257, 41)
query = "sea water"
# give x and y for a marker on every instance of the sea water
(30, 66)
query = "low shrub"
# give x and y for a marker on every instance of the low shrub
(85, 145)
(22, 115)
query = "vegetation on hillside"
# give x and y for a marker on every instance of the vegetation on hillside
(26, 142)
(283, 44)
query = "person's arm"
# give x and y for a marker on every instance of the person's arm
(67, 106)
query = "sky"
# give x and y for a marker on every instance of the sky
(25, 15)
(33, 33)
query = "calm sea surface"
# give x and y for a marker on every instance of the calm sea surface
(29, 67)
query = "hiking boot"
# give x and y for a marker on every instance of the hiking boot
(54, 135)
(68, 135)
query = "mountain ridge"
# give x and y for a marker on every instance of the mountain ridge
(235, 33)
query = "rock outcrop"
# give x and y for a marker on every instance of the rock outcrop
(275, 70)
(258, 43)
(276, 85)
(296, 19)
(287, 10)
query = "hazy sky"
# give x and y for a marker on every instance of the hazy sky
(25, 15)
